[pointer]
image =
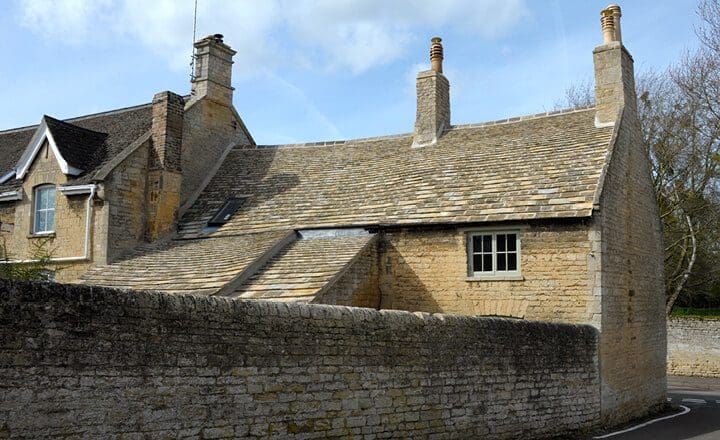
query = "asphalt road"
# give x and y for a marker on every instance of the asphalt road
(702, 397)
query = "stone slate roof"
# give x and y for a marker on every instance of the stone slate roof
(538, 167)
(122, 127)
(185, 266)
(80, 147)
(303, 268)
(534, 168)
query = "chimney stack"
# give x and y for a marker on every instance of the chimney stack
(164, 174)
(433, 100)
(213, 70)
(614, 71)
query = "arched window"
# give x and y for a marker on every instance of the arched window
(44, 211)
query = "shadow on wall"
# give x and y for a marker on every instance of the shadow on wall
(400, 287)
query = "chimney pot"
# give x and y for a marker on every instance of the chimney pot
(436, 54)
(616, 12)
(607, 22)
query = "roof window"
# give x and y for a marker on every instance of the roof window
(225, 213)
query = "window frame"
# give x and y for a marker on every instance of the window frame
(495, 274)
(36, 209)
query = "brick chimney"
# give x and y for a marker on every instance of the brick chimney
(614, 72)
(165, 174)
(433, 100)
(213, 70)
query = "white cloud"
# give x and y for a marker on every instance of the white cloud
(68, 20)
(351, 34)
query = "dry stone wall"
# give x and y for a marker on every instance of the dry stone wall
(694, 347)
(77, 361)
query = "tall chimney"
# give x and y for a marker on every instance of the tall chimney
(164, 175)
(614, 72)
(213, 70)
(433, 100)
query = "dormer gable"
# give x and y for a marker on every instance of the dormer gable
(73, 147)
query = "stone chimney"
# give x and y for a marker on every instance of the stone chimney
(433, 100)
(614, 72)
(213, 70)
(165, 174)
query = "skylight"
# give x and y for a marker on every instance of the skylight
(225, 213)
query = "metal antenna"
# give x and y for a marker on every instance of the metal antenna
(192, 57)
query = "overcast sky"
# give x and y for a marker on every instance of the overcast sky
(311, 70)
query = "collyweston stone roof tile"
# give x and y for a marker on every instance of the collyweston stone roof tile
(185, 266)
(531, 168)
(302, 269)
(80, 147)
(122, 127)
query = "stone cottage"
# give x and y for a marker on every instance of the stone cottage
(545, 217)
(92, 188)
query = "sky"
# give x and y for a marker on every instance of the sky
(314, 70)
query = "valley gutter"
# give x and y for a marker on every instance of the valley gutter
(71, 191)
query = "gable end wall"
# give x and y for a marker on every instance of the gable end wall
(208, 130)
(633, 342)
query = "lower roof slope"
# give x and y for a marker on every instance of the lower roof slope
(185, 266)
(301, 270)
(529, 168)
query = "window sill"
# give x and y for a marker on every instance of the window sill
(496, 278)
(42, 235)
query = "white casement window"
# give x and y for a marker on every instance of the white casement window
(494, 254)
(44, 211)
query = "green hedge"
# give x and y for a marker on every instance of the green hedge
(691, 312)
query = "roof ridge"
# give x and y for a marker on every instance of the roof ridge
(74, 127)
(80, 118)
(524, 117)
(109, 112)
(394, 136)
(326, 143)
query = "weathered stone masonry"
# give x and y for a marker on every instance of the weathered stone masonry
(99, 363)
(694, 347)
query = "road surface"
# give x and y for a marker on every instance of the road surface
(702, 422)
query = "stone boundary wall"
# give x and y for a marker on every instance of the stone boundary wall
(694, 347)
(79, 361)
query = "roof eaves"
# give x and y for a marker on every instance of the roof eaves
(10, 196)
